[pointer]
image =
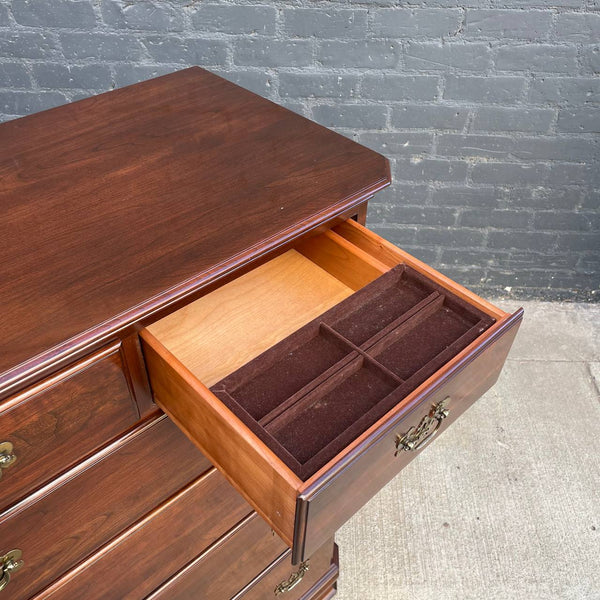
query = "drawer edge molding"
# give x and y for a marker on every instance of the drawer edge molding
(315, 518)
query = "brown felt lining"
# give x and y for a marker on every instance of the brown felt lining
(311, 394)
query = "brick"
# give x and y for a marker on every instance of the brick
(578, 242)
(507, 24)
(567, 198)
(528, 4)
(411, 23)
(296, 107)
(462, 257)
(487, 146)
(522, 240)
(355, 116)
(425, 215)
(401, 235)
(499, 219)
(373, 54)
(438, 57)
(574, 174)
(459, 237)
(556, 148)
(403, 193)
(24, 103)
(465, 275)
(537, 57)
(235, 19)
(54, 13)
(27, 44)
(339, 23)
(128, 74)
(318, 85)
(143, 15)
(583, 28)
(53, 75)
(495, 90)
(427, 169)
(258, 82)
(490, 118)
(509, 173)
(101, 46)
(562, 221)
(14, 75)
(564, 90)
(579, 120)
(191, 51)
(466, 196)
(429, 116)
(547, 260)
(399, 87)
(590, 59)
(273, 53)
(403, 143)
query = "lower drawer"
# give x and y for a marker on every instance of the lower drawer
(235, 568)
(104, 497)
(282, 580)
(144, 556)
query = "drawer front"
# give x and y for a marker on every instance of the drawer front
(106, 495)
(226, 568)
(53, 425)
(144, 556)
(327, 504)
(314, 584)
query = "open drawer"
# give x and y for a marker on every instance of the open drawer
(313, 379)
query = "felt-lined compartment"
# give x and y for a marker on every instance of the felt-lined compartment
(311, 394)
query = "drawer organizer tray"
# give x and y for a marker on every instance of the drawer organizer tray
(313, 379)
(314, 392)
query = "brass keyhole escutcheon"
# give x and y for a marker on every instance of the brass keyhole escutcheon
(418, 437)
(7, 456)
(10, 563)
(293, 580)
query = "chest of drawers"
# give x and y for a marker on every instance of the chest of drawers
(185, 246)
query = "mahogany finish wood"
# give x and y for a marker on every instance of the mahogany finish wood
(220, 572)
(66, 525)
(116, 205)
(320, 577)
(61, 420)
(170, 536)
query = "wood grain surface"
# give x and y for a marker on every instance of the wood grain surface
(116, 205)
(63, 419)
(139, 560)
(63, 527)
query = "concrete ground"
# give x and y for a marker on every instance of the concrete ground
(506, 504)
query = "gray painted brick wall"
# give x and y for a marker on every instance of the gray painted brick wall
(488, 109)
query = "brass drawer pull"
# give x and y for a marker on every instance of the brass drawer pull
(418, 437)
(10, 563)
(293, 580)
(7, 456)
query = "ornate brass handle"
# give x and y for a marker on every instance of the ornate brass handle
(7, 456)
(10, 563)
(293, 580)
(418, 437)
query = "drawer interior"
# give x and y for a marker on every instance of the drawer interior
(313, 347)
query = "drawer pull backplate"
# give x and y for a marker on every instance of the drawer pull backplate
(9, 563)
(418, 437)
(293, 580)
(7, 456)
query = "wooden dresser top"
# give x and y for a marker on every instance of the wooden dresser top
(115, 205)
